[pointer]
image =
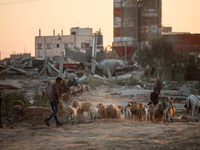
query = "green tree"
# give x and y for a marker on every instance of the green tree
(159, 55)
(191, 68)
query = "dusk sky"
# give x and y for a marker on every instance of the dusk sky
(20, 20)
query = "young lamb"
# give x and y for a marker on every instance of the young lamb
(94, 113)
(192, 102)
(113, 111)
(72, 112)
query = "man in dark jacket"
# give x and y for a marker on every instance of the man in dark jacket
(154, 97)
(54, 99)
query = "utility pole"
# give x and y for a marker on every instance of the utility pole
(94, 53)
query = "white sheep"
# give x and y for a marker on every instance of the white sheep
(127, 111)
(94, 113)
(71, 112)
(83, 106)
(192, 102)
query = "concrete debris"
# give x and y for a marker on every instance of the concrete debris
(49, 69)
(96, 76)
(12, 72)
(184, 91)
(83, 78)
(8, 86)
(112, 64)
(138, 87)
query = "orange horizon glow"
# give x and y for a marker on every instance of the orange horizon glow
(21, 21)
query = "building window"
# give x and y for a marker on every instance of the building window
(49, 46)
(56, 45)
(85, 45)
(65, 46)
(39, 46)
(73, 33)
(71, 43)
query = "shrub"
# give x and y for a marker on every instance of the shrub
(40, 99)
(8, 98)
(133, 81)
(120, 82)
(93, 82)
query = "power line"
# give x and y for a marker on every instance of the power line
(17, 2)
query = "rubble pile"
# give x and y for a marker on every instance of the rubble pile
(184, 91)
(12, 72)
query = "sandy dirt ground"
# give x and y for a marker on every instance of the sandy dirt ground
(106, 133)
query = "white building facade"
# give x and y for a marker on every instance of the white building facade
(52, 46)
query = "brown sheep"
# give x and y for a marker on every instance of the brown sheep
(83, 106)
(135, 110)
(99, 105)
(158, 112)
(113, 111)
(102, 111)
(35, 112)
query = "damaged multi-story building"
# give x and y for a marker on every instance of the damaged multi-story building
(52, 46)
(137, 22)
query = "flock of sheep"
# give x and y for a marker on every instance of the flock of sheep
(137, 111)
(164, 110)
(140, 111)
